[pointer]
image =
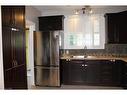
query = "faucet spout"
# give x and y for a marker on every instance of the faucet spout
(85, 48)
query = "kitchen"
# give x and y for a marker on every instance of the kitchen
(93, 50)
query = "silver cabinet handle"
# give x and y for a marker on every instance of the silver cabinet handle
(16, 62)
(83, 65)
(13, 63)
(14, 29)
(86, 65)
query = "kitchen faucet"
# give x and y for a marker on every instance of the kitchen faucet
(85, 48)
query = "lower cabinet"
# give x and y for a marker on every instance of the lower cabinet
(91, 72)
(15, 78)
(76, 72)
(106, 74)
(124, 80)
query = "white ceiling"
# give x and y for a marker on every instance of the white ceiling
(47, 10)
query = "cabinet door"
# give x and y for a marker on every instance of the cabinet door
(51, 23)
(16, 78)
(124, 75)
(122, 28)
(116, 27)
(8, 80)
(92, 72)
(7, 15)
(7, 49)
(19, 16)
(112, 28)
(19, 77)
(76, 72)
(107, 73)
(18, 38)
(64, 71)
(13, 16)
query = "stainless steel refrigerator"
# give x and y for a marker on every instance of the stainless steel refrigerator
(46, 57)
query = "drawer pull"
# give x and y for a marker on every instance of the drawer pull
(83, 65)
(86, 65)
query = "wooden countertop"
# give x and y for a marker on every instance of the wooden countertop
(97, 58)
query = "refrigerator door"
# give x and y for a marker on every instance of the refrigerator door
(46, 48)
(42, 48)
(47, 76)
(54, 48)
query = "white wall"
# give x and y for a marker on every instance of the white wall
(30, 64)
(1, 57)
(32, 15)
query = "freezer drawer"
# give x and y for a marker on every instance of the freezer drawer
(47, 76)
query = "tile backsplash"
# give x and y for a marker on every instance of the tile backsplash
(116, 48)
(110, 49)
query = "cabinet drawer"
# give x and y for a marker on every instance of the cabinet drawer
(106, 67)
(106, 73)
(77, 61)
(106, 81)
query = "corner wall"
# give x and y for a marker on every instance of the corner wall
(32, 15)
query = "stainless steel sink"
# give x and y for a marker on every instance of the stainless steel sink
(82, 57)
(78, 56)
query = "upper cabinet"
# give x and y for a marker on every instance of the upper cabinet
(116, 29)
(51, 23)
(13, 16)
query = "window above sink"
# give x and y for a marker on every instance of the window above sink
(84, 30)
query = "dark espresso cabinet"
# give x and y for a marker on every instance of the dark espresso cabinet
(15, 78)
(116, 30)
(111, 28)
(124, 80)
(91, 72)
(77, 72)
(51, 23)
(13, 16)
(111, 72)
(13, 37)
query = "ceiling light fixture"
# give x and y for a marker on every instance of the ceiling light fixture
(91, 11)
(84, 10)
(76, 12)
(87, 10)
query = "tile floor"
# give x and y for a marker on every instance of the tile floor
(67, 87)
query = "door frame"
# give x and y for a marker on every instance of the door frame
(1, 56)
(30, 56)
